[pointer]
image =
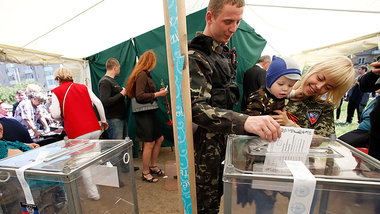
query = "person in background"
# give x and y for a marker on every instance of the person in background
(27, 114)
(371, 82)
(282, 74)
(255, 78)
(339, 109)
(48, 101)
(141, 87)
(307, 107)
(3, 112)
(360, 136)
(20, 95)
(213, 95)
(357, 100)
(113, 100)
(73, 103)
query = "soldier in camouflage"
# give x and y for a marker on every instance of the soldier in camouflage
(213, 94)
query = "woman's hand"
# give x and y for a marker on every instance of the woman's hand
(163, 92)
(282, 118)
(33, 145)
(297, 94)
(105, 125)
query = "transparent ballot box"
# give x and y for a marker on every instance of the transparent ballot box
(74, 176)
(255, 181)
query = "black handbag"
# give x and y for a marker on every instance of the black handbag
(139, 107)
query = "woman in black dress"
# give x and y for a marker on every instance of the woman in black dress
(141, 86)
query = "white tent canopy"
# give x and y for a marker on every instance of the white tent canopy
(77, 29)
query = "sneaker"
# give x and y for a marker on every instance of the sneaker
(95, 198)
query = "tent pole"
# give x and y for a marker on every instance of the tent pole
(182, 134)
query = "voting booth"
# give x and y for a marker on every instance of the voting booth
(73, 176)
(332, 177)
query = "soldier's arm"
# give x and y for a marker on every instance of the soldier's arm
(254, 106)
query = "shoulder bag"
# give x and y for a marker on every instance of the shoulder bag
(139, 107)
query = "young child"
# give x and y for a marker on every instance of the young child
(282, 74)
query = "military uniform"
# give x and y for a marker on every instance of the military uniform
(262, 102)
(213, 94)
(313, 114)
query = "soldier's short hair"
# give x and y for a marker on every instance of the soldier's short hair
(111, 62)
(216, 6)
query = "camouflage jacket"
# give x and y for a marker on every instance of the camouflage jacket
(262, 102)
(214, 119)
(313, 114)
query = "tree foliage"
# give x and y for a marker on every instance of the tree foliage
(7, 94)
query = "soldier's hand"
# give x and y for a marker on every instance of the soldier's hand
(264, 126)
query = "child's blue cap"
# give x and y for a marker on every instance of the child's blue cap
(282, 67)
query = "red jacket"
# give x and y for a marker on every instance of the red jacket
(78, 116)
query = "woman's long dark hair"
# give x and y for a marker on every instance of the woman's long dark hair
(146, 62)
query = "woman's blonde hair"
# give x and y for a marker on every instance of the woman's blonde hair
(64, 74)
(340, 70)
(146, 62)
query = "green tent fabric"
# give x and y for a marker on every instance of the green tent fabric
(248, 44)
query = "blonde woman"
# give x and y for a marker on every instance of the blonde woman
(141, 86)
(315, 96)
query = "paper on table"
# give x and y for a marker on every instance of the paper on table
(293, 140)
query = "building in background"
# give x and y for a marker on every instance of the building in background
(366, 57)
(12, 73)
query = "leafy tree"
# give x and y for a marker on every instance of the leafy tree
(7, 94)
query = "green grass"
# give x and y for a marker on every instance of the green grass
(341, 127)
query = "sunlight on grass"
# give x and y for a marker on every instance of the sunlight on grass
(341, 127)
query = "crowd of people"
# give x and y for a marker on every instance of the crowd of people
(275, 93)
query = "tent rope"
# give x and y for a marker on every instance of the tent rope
(63, 23)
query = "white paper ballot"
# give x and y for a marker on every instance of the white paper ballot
(293, 140)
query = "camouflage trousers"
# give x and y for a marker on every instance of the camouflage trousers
(209, 152)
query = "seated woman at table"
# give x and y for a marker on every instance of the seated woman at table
(307, 107)
(10, 148)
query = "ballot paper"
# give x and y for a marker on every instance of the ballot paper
(293, 140)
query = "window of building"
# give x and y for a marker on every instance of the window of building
(361, 60)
